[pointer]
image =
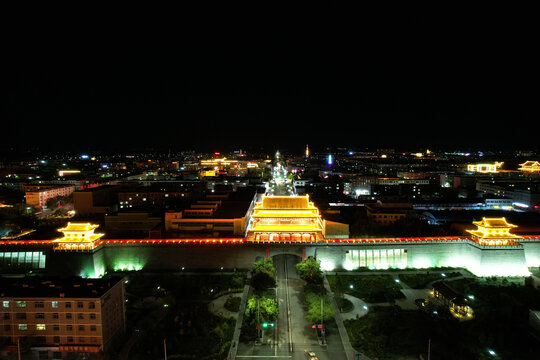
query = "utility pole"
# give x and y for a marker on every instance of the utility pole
(165, 348)
(258, 321)
(429, 349)
(322, 321)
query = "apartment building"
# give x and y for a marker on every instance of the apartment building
(59, 316)
(38, 195)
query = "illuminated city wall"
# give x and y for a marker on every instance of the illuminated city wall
(481, 261)
(532, 252)
(344, 254)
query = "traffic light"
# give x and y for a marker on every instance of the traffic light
(266, 325)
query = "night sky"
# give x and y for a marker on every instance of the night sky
(352, 80)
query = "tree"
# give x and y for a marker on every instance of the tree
(261, 280)
(314, 308)
(266, 308)
(263, 274)
(310, 270)
(263, 264)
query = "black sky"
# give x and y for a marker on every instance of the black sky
(447, 80)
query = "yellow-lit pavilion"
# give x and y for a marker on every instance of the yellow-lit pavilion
(493, 231)
(530, 166)
(286, 218)
(77, 236)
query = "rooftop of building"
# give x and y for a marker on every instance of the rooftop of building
(231, 204)
(494, 223)
(97, 188)
(449, 293)
(56, 287)
(79, 227)
(286, 202)
(162, 187)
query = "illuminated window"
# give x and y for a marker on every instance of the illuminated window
(5, 304)
(21, 304)
(41, 327)
(54, 304)
(23, 327)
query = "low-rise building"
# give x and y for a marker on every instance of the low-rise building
(38, 195)
(218, 214)
(58, 316)
(456, 302)
(133, 224)
(389, 213)
(97, 200)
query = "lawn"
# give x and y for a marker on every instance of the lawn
(500, 323)
(175, 307)
(421, 280)
(371, 288)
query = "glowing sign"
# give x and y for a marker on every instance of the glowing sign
(330, 161)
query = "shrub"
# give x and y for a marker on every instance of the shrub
(232, 303)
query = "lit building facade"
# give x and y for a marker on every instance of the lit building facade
(484, 168)
(285, 218)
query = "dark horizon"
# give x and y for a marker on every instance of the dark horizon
(429, 86)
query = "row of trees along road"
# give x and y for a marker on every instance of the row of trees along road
(314, 291)
(262, 309)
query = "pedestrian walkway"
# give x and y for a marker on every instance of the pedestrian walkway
(360, 308)
(218, 305)
(239, 319)
(349, 350)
